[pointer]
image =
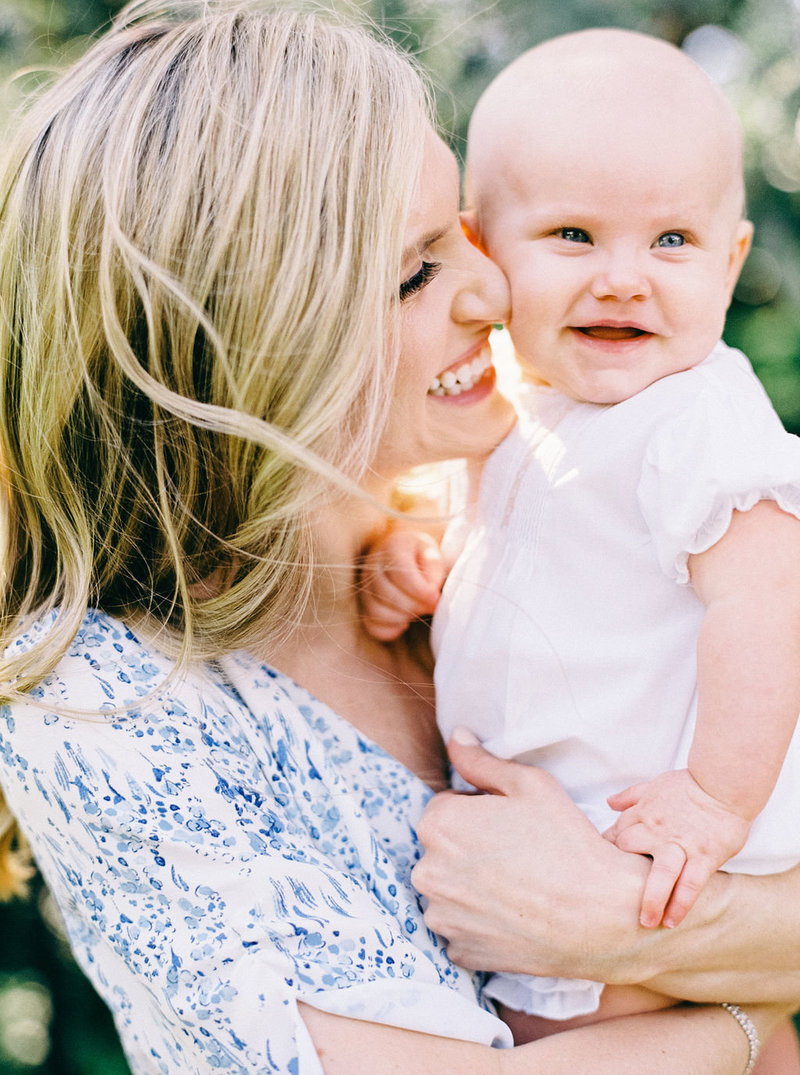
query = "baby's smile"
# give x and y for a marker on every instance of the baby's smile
(612, 332)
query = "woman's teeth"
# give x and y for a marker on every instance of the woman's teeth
(454, 382)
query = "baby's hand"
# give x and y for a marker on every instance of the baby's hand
(688, 833)
(401, 579)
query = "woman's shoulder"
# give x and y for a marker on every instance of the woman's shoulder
(114, 689)
(115, 701)
(104, 652)
(111, 666)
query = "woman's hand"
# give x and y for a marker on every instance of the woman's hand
(519, 880)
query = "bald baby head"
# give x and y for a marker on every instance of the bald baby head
(604, 176)
(631, 97)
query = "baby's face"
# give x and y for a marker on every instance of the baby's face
(621, 258)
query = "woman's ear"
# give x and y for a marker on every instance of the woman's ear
(471, 228)
(740, 248)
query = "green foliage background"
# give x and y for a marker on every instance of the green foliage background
(51, 1022)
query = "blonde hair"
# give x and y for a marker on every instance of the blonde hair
(201, 231)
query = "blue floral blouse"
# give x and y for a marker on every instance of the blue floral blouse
(225, 847)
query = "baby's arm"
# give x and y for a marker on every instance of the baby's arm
(401, 579)
(748, 658)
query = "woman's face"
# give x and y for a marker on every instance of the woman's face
(446, 404)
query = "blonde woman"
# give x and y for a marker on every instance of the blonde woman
(230, 267)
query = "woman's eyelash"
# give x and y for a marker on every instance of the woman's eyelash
(423, 276)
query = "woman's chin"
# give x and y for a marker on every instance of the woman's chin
(471, 424)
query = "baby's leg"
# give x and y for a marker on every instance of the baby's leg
(614, 1000)
(781, 1054)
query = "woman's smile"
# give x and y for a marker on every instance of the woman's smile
(466, 375)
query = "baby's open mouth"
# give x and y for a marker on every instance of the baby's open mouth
(455, 381)
(612, 332)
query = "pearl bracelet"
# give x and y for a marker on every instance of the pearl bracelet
(747, 1025)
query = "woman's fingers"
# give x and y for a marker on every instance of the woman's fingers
(484, 771)
(522, 828)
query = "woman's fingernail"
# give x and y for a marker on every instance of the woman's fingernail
(465, 737)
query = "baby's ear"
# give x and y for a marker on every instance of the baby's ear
(472, 230)
(740, 248)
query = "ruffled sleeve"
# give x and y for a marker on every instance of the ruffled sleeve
(726, 450)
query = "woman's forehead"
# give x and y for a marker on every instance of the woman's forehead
(435, 202)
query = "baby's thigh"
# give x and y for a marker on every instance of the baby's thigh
(615, 1000)
(781, 1054)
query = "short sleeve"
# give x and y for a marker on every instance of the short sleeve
(725, 451)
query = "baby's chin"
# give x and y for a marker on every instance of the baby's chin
(600, 393)
(531, 377)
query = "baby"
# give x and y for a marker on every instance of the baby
(624, 608)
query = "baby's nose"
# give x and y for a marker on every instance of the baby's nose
(621, 276)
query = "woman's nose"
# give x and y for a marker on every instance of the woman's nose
(620, 275)
(483, 294)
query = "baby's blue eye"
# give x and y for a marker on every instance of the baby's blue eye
(574, 235)
(670, 239)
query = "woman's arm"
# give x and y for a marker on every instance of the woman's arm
(741, 941)
(693, 1041)
(569, 901)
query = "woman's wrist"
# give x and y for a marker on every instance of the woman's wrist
(618, 950)
(739, 944)
(691, 961)
(750, 1032)
(687, 962)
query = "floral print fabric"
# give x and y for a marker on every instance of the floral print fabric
(222, 845)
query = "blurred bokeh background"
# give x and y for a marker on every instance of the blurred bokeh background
(51, 1022)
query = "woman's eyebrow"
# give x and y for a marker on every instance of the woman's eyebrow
(422, 244)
